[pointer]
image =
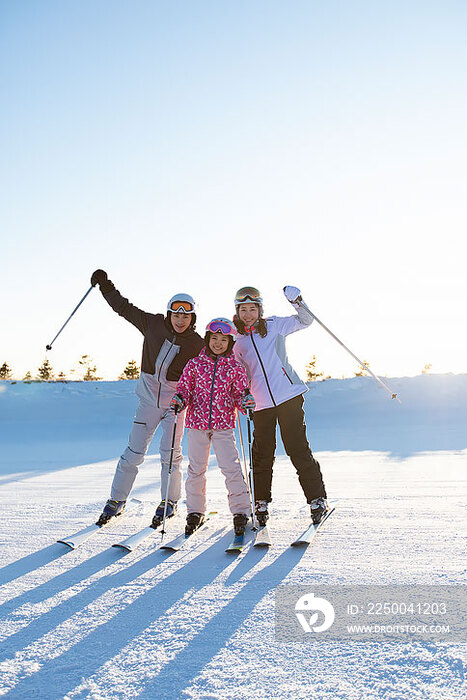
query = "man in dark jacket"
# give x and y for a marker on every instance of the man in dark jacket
(169, 342)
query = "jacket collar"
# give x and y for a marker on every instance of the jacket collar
(210, 356)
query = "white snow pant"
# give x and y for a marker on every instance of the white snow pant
(199, 446)
(147, 418)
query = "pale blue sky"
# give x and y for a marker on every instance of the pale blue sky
(201, 146)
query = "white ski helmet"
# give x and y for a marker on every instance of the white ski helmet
(181, 303)
(249, 294)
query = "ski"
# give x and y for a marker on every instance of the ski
(263, 538)
(138, 538)
(176, 544)
(78, 538)
(308, 536)
(237, 543)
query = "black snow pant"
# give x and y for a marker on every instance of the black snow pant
(291, 419)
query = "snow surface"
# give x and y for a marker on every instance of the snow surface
(98, 623)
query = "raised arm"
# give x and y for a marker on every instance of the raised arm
(302, 319)
(119, 303)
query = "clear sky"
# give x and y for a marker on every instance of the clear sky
(204, 145)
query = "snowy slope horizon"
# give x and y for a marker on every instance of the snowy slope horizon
(353, 414)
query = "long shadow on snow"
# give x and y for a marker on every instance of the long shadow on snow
(30, 563)
(49, 620)
(63, 611)
(179, 673)
(60, 582)
(40, 558)
(62, 674)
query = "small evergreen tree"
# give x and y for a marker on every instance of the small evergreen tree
(311, 374)
(361, 371)
(426, 368)
(5, 371)
(131, 371)
(90, 374)
(45, 372)
(61, 377)
(27, 377)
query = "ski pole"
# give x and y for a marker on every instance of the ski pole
(49, 346)
(301, 303)
(252, 483)
(247, 479)
(169, 474)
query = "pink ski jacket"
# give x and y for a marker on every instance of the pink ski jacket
(212, 389)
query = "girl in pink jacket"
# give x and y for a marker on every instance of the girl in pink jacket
(211, 387)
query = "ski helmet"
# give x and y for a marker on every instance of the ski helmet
(181, 303)
(249, 294)
(222, 325)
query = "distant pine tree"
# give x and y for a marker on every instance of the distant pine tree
(90, 374)
(27, 377)
(5, 371)
(311, 374)
(45, 372)
(361, 371)
(426, 368)
(131, 371)
(61, 377)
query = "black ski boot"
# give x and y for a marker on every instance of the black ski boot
(239, 523)
(193, 521)
(261, 512)
(111, 509)
(159, 514)
(318, 508)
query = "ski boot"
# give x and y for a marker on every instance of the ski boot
(318, 507)
(159, 514)
(239, 523)
(193, 522)
(261, 512)
(111, 509)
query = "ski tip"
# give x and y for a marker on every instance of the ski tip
(119, 545)
(68, 544)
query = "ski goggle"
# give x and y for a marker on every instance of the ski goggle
(246, 294)
(221, 326)
(181, 307)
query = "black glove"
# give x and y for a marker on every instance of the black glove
(100, 277)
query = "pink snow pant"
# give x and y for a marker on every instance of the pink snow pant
(199, 446)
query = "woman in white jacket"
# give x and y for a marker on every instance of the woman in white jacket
(278, 393)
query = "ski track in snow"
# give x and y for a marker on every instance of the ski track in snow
(98, 623)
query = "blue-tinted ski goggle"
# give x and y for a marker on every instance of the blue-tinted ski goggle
(223, 327)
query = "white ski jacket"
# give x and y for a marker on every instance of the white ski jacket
(273, 380)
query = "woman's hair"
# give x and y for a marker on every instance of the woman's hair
(261, 326)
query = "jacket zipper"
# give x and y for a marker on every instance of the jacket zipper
(160, 370)
(262, 367)
(212, 392)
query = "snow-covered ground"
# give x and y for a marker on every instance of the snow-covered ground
(98, 623)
